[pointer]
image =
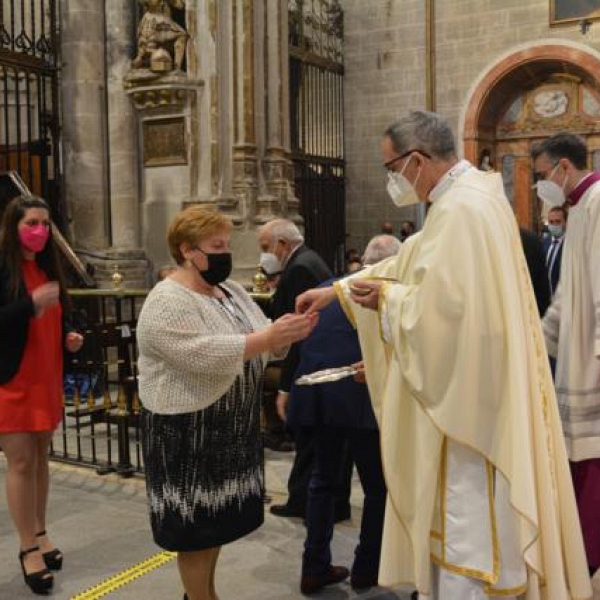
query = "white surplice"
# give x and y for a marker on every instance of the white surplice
(572, 329)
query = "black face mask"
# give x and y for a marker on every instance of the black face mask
(219, 267)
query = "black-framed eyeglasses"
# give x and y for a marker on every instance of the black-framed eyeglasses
(387, 165)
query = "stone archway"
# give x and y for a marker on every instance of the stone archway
(526, 96)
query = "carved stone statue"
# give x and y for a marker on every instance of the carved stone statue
(159, 33)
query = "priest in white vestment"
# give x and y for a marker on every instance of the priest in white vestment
(480, 500)
(572, 323)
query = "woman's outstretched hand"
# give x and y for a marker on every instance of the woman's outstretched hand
(292, 328)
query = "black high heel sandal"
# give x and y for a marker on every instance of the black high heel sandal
(39, 582)
(54, 558)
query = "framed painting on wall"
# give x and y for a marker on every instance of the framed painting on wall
(572, 11)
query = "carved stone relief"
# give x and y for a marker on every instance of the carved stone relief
(552, 107)
(161, 41)
(550, 103)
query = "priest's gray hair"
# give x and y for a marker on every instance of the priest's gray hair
(380, 247)
(425, 131)
(283, 229)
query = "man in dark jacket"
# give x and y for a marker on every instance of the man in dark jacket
(301, 269)
(534, 255)
(340, 413)
(553, 245)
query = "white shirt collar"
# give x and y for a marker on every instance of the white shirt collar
(446, 181)
(287, 259)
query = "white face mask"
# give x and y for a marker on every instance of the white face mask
(270, 263)
(550, 192)
(556, 231)
(401, 191)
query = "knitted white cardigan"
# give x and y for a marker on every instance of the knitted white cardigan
(189, 350)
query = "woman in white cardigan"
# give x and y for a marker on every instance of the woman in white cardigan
(202, 342)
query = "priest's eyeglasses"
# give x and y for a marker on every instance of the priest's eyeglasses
(388, 165)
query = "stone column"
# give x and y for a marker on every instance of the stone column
(170, 115)
(205, 143)
(223, 107)
(245, 171)
(278, 168)
(83, 103)
(123, 130)
(266, 206)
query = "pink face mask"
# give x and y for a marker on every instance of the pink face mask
(34, 238)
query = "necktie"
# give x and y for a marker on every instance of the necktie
(551, 252)
(550, 260)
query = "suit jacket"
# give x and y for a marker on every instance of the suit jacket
(14, 326)
(15, 315)
(536, 263)
(554, 268)
(304, 270)
(343, 403)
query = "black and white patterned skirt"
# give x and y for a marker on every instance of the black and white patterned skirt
(205, 470)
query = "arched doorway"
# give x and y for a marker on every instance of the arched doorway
(524, 98)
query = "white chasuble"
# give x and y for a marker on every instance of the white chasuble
(463, 365)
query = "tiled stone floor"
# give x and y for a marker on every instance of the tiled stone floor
(101, 525)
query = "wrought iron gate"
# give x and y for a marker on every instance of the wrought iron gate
(317, 123)
(29, 115)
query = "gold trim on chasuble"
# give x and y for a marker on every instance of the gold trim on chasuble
(438, 538)
(341, 294)
(380, 306)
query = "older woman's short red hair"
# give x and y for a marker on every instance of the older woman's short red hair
(191, 226)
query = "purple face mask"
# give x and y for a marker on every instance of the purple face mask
(34, 237)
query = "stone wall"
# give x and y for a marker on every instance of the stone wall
(385, 59)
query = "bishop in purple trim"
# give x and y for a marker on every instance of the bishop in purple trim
(572, 323)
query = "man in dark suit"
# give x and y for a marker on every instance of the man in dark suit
(534, 255)
(553, 245)
(301, 269)
(340, 413)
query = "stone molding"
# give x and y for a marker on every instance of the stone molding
(505, 72)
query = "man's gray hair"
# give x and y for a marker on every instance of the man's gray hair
(425, 131)
(380, 247)
(283, 229)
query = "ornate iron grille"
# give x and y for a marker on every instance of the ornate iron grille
(317, 123)
(29, 116)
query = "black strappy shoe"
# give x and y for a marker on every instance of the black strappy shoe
(54, 558)
(40, 582)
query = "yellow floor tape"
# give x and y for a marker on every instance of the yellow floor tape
(124, 577)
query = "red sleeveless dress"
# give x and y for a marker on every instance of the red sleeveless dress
(32, 399)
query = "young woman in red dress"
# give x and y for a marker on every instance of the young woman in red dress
(31, 345)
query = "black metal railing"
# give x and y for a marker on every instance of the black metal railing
(29, 117)
(320, 184)
(317, 123)
(100, 424)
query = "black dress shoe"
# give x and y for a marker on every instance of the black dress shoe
(284, 510)
(310, 584)
(363, 581)
(40, 582)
